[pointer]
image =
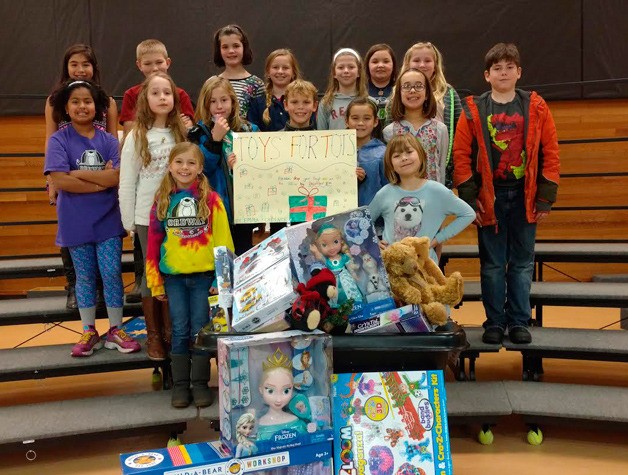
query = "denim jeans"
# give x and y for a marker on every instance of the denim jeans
(189, 307)
(507, 262)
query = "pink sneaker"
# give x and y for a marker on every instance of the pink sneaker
(117, 339)
(90, 341)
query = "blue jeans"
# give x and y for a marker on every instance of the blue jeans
(189, 307)
(507, 262)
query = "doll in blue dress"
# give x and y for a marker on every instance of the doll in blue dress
(330, 248)
(244, 428)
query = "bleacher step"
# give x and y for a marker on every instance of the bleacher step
(90, 416)
(607, 345)
(40, 362)
(477, 400)
(568, 401)
(47, 310)
(572, 294)
(20, 268)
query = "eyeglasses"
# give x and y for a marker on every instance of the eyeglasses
(417, 86)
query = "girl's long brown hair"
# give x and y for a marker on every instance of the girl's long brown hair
(398, 110)
(168, 186)
(144, 117)
(397, 144)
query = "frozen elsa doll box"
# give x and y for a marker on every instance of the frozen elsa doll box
(274, 391)
(391, 423)
(346, 244)
(213, 458)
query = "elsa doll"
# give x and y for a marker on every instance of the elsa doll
(244, 428)
(330, 248)
(277, 387)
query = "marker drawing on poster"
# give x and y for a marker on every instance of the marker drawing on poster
(294, 176)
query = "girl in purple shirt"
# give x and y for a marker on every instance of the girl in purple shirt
(83, 162)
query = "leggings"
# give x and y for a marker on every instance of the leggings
(105, 256)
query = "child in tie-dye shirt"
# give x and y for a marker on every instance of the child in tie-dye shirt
(187, 221)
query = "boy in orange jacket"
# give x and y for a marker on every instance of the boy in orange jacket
(506, 166)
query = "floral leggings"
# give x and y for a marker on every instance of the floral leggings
(107, 257)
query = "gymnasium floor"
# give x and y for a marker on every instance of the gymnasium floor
(566, 450)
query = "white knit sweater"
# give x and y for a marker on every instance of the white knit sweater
(139, 183)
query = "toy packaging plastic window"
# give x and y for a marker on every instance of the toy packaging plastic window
(346, 244)
(274, 391)
(391, 423)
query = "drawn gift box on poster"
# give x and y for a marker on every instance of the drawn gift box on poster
(307, 206)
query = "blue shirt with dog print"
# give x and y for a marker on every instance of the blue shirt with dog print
(420, 212)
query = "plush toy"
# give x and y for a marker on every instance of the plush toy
(311, 308)
(416, 279)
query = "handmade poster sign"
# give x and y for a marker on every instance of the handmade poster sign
(294, 176)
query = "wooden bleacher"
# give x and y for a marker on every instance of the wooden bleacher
(592, 206)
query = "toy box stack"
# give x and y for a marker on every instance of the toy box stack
(274, 391)
(346, 244)
(263, 286)
(212, 458)
(391, 423)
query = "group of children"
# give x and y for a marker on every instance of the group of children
(171, 183)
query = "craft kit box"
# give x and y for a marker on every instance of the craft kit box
(391, 423)
(406, 319)
(212, 458)
(263, 285)
(346, 244)
(274, 391)
(260, 300)
(260, 257)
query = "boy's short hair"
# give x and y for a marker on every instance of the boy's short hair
(299, 86)
(502, 51)
(149, 47)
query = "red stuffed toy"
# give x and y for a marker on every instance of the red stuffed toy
(311, 308)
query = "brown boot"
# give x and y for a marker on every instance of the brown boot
(166, 325)
(154, 344)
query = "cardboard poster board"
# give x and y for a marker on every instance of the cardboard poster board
(294, 176)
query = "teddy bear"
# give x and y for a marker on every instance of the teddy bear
(416, 279)
(311, 309)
